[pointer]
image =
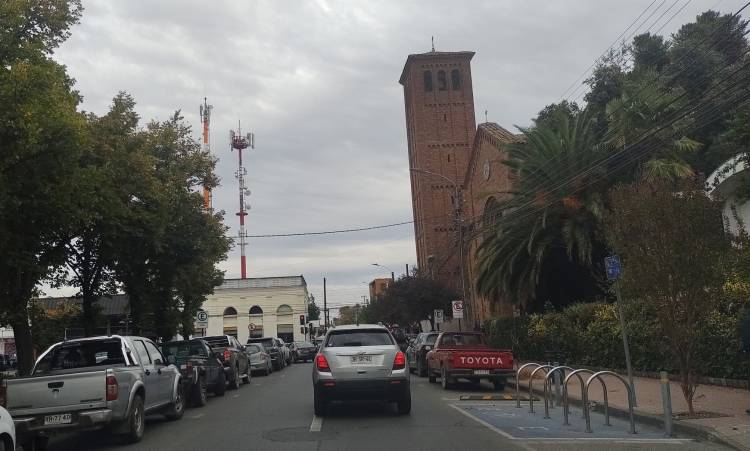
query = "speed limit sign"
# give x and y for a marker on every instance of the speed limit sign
(458, 309)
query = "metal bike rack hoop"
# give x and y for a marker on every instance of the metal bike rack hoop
(547, 383)
(518, 384)
(598, 376)
(531, 383)
(584, 396)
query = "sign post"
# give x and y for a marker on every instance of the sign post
(458, 312)
(437, 315)
(613, 268)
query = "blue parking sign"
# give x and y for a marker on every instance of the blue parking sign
(613, 267)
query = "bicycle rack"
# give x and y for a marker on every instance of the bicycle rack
(531, 383)
(518, 384)
(548, 392)
(584, 399)
(598, 376)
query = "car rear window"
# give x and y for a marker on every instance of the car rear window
(183, 349)
(252, 349)
(267, 342)
(81, 354)
(430, 339)
(353, 338)
(305, 345)
(217, 342)
(462, 340)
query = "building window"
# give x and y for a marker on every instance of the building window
(255, 310)
(456, 79)
(442, 81)
(230, 311)
(230, 330)
(428, 80)
(284, 310)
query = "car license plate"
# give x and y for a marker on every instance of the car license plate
(482, 372)
(360, 359)
(64, 418)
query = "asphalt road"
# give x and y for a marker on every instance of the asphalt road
(276, 413)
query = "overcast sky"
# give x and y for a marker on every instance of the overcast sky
(317, 82)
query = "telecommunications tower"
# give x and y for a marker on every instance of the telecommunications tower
(240, 143)
(205, 110)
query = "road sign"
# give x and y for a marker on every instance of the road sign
(613, 267)
(201, 320)
(438, 315)
(251, 326)
(458, 309)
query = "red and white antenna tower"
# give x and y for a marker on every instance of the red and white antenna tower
(205, 110)
(239, 143)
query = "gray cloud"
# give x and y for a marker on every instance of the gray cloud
(317, 83)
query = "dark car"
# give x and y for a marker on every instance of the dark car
(272, 348)
(232, 355)
(417, 351)
(260, 360)
(201, 370)
(303, 351)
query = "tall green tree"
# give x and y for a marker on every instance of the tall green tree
(408, 300)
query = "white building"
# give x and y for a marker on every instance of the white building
(260, 307)
(724, 184)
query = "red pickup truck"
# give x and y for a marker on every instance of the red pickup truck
(466, 355)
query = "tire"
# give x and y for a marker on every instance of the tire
(136, 421)
(177, 408)
(499, 384)
(247, 377)
(420, 369)
(199, 393)
(404, 404)
(444, 380)
(431, 376)
(234, 382)
(320, 404)
(221, 384)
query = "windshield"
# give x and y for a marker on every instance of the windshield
(252, 349)
(183, 349)
(217, 342)
(81, 354)
(462, 340)
(267, 342)
(353, 338)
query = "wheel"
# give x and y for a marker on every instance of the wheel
(177, 408)
(404, 404)
(199, 393)
(321, 406)
(136, 421)
(234, 382)
(431, 375)
(499, 384)
(420, 369)
(444, 379)
(221, 384)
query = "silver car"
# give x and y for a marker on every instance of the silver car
(361, 362)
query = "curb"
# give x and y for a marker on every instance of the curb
(696, 431)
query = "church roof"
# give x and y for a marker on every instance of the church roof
(497, 135)
(431, 55)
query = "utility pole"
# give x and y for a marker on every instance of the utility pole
(407, 270)
(325, 305)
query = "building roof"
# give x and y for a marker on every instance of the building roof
(498, 135)
(431, 55)
(108, 305)
(263, 282)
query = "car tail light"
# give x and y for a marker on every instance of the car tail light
(113, 392)
(227, 355)
(321, 363)
(399, 363)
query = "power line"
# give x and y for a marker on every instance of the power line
(330, 232)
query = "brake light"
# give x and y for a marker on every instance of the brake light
(227, 355)
(399, 363)
(321, 363)
(113, 392)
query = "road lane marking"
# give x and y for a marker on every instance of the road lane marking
(484, 423)
(317, 424)
(195, 417)
(236, 396)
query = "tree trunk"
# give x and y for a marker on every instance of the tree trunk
(688, 386)
(88, 313)
(24, 344)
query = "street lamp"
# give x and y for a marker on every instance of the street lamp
(459, 225)
(393, 274)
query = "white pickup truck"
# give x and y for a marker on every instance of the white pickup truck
(111, 381)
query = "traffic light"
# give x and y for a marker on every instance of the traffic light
(302, 320)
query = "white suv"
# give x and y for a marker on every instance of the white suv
(361, 362)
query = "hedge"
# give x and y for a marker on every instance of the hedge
(589, 335)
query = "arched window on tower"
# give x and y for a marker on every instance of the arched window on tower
(428, 80)
(456, 79)
(442, 81)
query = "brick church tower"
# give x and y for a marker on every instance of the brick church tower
(440, 128)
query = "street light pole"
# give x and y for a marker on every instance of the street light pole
(459, 224)
(393, 273)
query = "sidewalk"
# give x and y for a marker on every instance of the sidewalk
(732, 427)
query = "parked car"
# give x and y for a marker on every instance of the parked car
(285, 352)
(233, 357)
(92, 382)
(416, 353)
(303, 351)
(201, 370)
(7, 431)
(466, 355)
(260, 360)
(272, 348)
(360, 362)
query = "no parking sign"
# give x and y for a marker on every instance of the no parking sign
(458, 309)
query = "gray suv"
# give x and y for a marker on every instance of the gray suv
(361, 362)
